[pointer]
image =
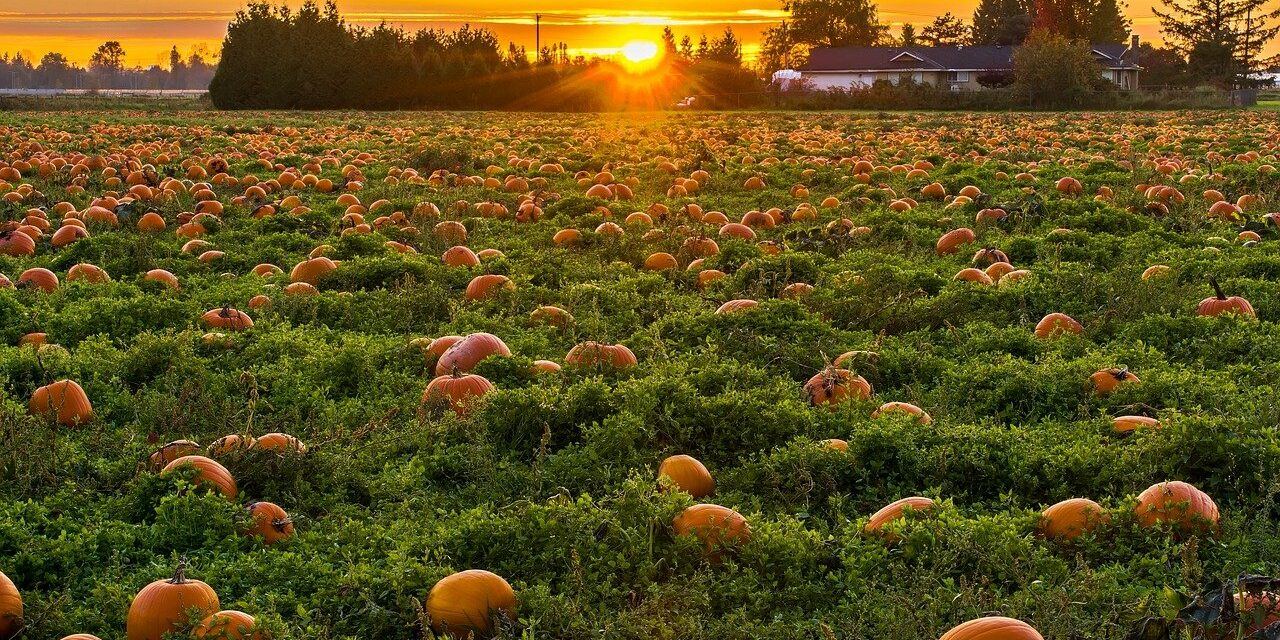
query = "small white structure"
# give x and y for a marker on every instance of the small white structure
(785, 78)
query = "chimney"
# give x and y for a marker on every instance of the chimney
(1133, 48)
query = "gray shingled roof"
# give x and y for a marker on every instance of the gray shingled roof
(939, 58)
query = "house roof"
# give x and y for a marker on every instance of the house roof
(1116, 56)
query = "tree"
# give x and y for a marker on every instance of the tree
(55, 72)
(945, 31)
(108, 60)
(1001, 22)
(1089, 20)
(1222, 39)
(908, 37)
(1107, 22)
(835, 23)
(1162, 67)
(1052, 70)
(777, 49)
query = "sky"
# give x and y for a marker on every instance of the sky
(148, 28)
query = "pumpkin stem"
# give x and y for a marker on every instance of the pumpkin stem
(1217, 290)
(280, 523)
(456, 373)
(1121, 373)
(180, 573)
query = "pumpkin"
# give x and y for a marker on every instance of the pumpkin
(228, 444)
(35, 339)
(660, 262)
(1179, 504)
(1056, 324)
(833, 386)
(67, 234)
(16, 243)
(172, 451)
(487, 286)
(66, 399)
(164, 606)
(1106, 380)
(796, 290)
(903, 407)
(312, 270)
(438, 346)
(835, 443)
(1068, 519)
(38, 278)
(281, 443)
(209, 474)
(545, 366)
(1129, 424)
(269, 521)
(737, 305)
(1257, 610)
(465, 354)
(163, 276)
(227, 318)
(228, 625)
(715, 526)
(92, 274)
(896, 510)
(301, 289)
(552, 315)
(10, 609)
(989, 256)
(1220, 303)
(600, 355)
(266, 270)
(460, 256)
(457, 391)
(951, 241)
(464, 604)
(974, 275)
(151, 221)
(80, 636)
(687, 474)
(993, 628)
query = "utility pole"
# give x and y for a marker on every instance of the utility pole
(537, 36)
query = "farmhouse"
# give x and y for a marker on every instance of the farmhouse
(958, 68)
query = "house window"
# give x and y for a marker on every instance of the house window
(957, 76)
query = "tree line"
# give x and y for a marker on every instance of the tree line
(311, 58)
(107, 69)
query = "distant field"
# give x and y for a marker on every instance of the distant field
(829, 312)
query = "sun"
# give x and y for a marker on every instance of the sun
(639, 55)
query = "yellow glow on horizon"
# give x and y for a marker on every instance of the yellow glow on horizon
(638, 51)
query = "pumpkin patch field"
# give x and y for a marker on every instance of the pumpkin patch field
(767, 375)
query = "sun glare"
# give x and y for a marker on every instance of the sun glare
(639, 53)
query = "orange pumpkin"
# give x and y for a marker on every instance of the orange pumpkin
(460, 256)
(228, 625)
(736, 305)
(895, 510)
(464, 604)
(993, 628)
(281, 443)
(312, 270)
(209, 473)
(229, 444)
(1106, 380)
(835, 443)
(1068, 519)
(714, 525)
(552, 315)
(164, 606)
(227, 318)
(465, 354)
(833, 386)
(1129, 424)
(951, 241)
(1056, 324)
(457, 392)
(1220, 303)
(600, 355)
(903, 407)
(172, 451)
(39, 278)
(16, 243)
(687, 474)
(92, 274)
(65, 399)
(161, 275)
(269, 522)
(1179, 504)
(487, 286)
(10, 609)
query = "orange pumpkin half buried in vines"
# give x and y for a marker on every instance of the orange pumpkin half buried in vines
(464, 604)
(163, 606)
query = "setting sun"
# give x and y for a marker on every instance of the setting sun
(639, 51)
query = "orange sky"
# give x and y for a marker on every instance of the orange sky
(148, 28)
